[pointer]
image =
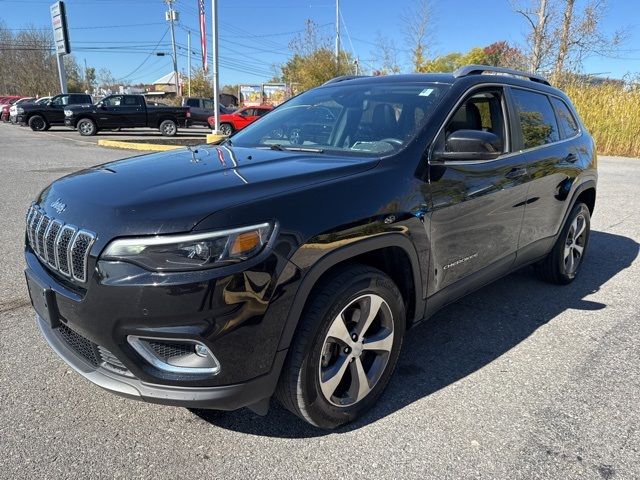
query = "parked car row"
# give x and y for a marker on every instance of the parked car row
(77, 110)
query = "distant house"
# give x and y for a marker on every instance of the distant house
(167, 83)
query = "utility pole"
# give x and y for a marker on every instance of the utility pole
(171, 17)
(86, 76)
(337, 32)
(189, 61)
(214, 69)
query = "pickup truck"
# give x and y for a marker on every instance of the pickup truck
(42, 116)
(125, 111)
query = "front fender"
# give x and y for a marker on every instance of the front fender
(338, 253)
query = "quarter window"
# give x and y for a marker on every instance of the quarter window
(537, 120)
(568, 124)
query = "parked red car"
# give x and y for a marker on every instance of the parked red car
(5, 105)
(239, 119)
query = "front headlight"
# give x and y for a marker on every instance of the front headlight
(20, 110)
(68, 113)
(192, 251)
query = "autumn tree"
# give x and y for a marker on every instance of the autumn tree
(201, 85)
(313, 61)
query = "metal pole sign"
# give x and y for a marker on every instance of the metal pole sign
(61, 38)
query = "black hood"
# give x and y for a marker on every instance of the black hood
(172, 191)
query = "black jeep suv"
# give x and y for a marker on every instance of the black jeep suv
(221, 275)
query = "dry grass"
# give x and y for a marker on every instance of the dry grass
(612, 116)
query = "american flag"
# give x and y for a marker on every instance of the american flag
(203, 34)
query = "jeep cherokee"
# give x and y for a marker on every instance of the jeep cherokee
(221, 275)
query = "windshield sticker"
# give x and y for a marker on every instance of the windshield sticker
(426, 92)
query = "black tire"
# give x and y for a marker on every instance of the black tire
(87, 127)
(557, 267)
(299, 387)
(226, 129)
(168, 128)
(38, 123)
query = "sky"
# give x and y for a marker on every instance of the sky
(123, 35)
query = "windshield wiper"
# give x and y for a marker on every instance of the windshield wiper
(277, 146)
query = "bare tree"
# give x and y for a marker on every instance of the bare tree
(386, 55)
(417, 22)
(580, 35)
(538, 14)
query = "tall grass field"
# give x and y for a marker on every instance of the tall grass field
(612, 115)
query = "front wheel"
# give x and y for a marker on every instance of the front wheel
(563, 262)
(345, 349)
(87, 127)
(168, 128)
(38, 123)
(226, 129)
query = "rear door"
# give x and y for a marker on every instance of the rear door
(477, 205)
(551, 157)
(134, 111)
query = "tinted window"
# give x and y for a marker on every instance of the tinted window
(261, 111)
(537, 120)
(112, 101)
(130, 101)
(567, 122)
(61, 100)
(370, 119)
(193, 102)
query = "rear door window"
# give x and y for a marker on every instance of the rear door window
(537, 119)
(568, 124)
(193, 102)
(208, 104)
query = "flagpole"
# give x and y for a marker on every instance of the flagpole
(216, 85)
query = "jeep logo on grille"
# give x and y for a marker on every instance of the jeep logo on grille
(58, 206)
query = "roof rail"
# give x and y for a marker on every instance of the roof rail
(480, 69)
(343, 78)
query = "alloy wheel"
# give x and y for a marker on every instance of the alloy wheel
(574, 245)
(356, 350)
(86, 128)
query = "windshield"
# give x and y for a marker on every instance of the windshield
(373, 119)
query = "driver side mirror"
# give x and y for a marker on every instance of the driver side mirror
(470, 145)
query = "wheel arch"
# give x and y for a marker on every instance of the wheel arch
(167, 117)
(392, 253)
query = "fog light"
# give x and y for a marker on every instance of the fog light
(176, 355)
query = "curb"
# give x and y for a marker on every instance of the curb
(147, 147)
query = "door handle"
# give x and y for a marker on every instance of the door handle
(516, 173)
(571, 158)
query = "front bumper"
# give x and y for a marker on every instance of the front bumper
(227, 397)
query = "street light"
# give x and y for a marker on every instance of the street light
(175, 73)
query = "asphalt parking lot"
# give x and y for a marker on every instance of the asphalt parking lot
(139, 134)
(519, 380)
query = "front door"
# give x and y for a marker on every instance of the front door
(55, 110)
(477, 205)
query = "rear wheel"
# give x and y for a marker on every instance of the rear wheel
(38, 123)
(226, 129)
(168, 128)
(87, 127)
(563, 262)
(345, 349)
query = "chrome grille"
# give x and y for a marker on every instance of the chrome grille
(61, 247)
